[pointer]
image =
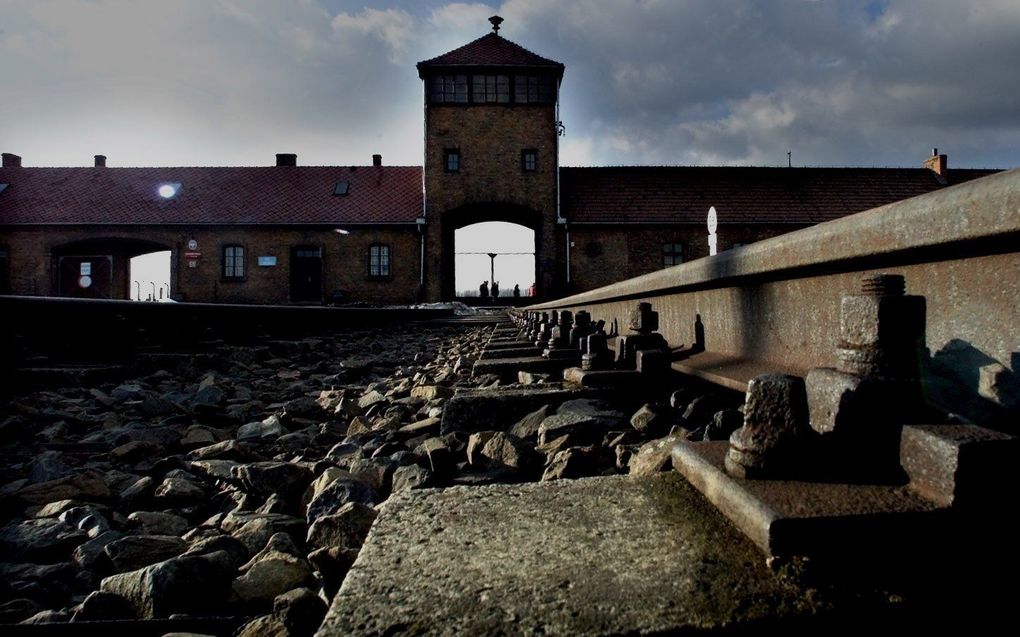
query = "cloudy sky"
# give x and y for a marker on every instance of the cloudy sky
(231, 82)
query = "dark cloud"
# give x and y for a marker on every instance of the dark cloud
(648, 81)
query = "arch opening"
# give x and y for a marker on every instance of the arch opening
(113, 268)
(149, 276)
(498, 254)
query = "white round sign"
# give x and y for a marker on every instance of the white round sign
(713, 223)
(84, 281)
(192, 244)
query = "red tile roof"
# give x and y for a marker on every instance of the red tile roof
(491, 50)
(740, 195)
(256, 195)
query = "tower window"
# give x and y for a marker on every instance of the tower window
(533, 89)
(448, 89)
(529, 160)
(672, 254)
(379, 260)
(233, 262)
(490, 88)
(451, 160)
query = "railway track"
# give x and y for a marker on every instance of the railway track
(877, 358)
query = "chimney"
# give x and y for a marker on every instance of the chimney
(11, 160)
(938, 164)
(286, 159)
(100, 161)
(377, 160)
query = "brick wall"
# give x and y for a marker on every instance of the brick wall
(601, 255)
(491, 185)
(344, 261)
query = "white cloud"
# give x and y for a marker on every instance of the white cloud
(732, 81)
(392, 26)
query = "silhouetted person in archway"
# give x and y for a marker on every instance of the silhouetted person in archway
(495, 289)
(517, 290)
(483, 290)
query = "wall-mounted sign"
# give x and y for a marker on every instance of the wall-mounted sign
(85, 270)
(713, 224)
(267, 262)
(192, 244)
(84, 281)
(191, 256)
(192, 264)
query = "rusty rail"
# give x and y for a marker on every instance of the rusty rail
(775, 305)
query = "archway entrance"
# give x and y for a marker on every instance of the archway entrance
(501, 229)
(494, 259)
(149, 275)
(101, 268)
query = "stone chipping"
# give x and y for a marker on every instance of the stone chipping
(261, 469)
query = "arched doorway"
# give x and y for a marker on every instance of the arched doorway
(101, 268)
(531, 223)
(149, 276)
(497, 255)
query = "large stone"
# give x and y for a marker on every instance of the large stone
(508, 453)
(268, 429)
(348, 527)
(441, 454)
(959, 465)
(652, 420)
(431, 392)
(425, 426)
(602, 556)
(289, 479)
(578, 462)
(188, 584)
(586, 427)
(136, 451)
(16, 610)
(179, 492)
(44, 540)
(274, 574)
(237, 553)
(158, 523)
(300, 611)
(371, 398)
(527, 427)
(338, 493)
(411, 477)
(724, 423)
(226, 450)
(333, 564)
(653, 456)
(264, 626)
(475, 443)
(87, 485)
(103, 606)
(775, 424)
(88, 519)
(132, 552)
(92, 554)
(46, 466)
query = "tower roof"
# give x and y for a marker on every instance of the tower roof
(491, 50)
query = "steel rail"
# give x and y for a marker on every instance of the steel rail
(775, 305)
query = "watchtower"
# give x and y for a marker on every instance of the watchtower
(491, 129)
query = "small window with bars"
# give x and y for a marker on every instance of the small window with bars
(533, 89)
(451, 160)
(448, 89)
(490, 88)
(233, 262)
(379, 260)
(529, 160)
(672, 254)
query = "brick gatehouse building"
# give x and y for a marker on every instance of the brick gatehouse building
(311, 234)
